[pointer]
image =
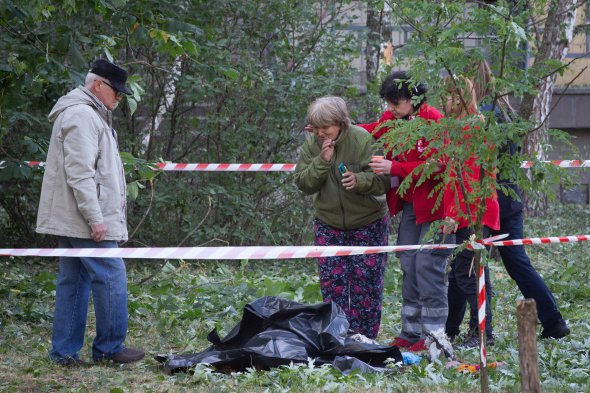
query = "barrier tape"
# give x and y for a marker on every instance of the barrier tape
(256, 252)
(481, 314)
(537, 240)
(560, 163)
(201, 167)
(29, 163)
(170, 166)
(213, 253)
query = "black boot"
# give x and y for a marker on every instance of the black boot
(555, 329)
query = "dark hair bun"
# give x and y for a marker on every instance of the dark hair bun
(399, 86)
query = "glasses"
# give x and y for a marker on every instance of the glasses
(118, 94)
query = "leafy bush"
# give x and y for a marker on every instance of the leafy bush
(212, 82)
(175, 305)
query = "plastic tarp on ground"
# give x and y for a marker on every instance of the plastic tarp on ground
(275, 332)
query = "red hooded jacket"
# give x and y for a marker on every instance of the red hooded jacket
(471, 175)
(405, 163)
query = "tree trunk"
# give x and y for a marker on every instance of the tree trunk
(557, 35)
(379, 25)
(169, 94)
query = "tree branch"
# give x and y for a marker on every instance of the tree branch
(147, 211)
(557, 102)
(564, 66)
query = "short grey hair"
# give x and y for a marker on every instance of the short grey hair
(90, 78)
(328, 111)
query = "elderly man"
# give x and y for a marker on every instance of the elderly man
(83, 203)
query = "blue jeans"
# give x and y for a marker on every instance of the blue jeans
(519, 268)
(78, 276)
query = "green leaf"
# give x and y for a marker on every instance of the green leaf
(133, 190)
(191, 48)
(132, 105)
(231, 73)
(75, 56)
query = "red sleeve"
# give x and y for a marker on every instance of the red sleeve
(377, 129)
(404, 169)
(428, 112)
(452, 196)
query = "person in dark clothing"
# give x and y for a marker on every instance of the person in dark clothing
(515, 259)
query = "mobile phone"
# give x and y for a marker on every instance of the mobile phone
(342, 168)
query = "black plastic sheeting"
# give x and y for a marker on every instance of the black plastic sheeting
(275, 332)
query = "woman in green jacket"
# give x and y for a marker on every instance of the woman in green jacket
(350, 210)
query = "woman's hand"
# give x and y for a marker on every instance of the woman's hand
(349, 180)
(449, 226)
(327, 149)
(381, 166)
(438, 166)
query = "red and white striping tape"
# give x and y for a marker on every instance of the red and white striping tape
(538, 240)
(560, 163)
(202, 167)
(481, 313)
(255, 252)
(29, 163)
(170, 166)
(215, 253)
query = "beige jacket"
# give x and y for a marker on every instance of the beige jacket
(84, 182)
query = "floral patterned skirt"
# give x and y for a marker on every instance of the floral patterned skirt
(355, 283)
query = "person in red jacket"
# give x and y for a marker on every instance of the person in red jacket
(424, 293)
(461, 104)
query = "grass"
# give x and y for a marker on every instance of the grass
(175, 310)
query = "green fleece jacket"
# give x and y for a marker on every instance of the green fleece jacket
(333, 204)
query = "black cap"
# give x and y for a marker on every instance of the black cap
(114, 74)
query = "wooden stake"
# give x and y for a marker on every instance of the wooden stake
(526, 312)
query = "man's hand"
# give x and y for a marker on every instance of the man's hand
(99, 232)
(349, 180)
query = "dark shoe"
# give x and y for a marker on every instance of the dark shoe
(73, 363)
(555, 329)
(452, 335)
(473, 342)
(128, 355)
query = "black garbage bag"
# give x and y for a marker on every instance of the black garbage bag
(347, 364)
(275, 332)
